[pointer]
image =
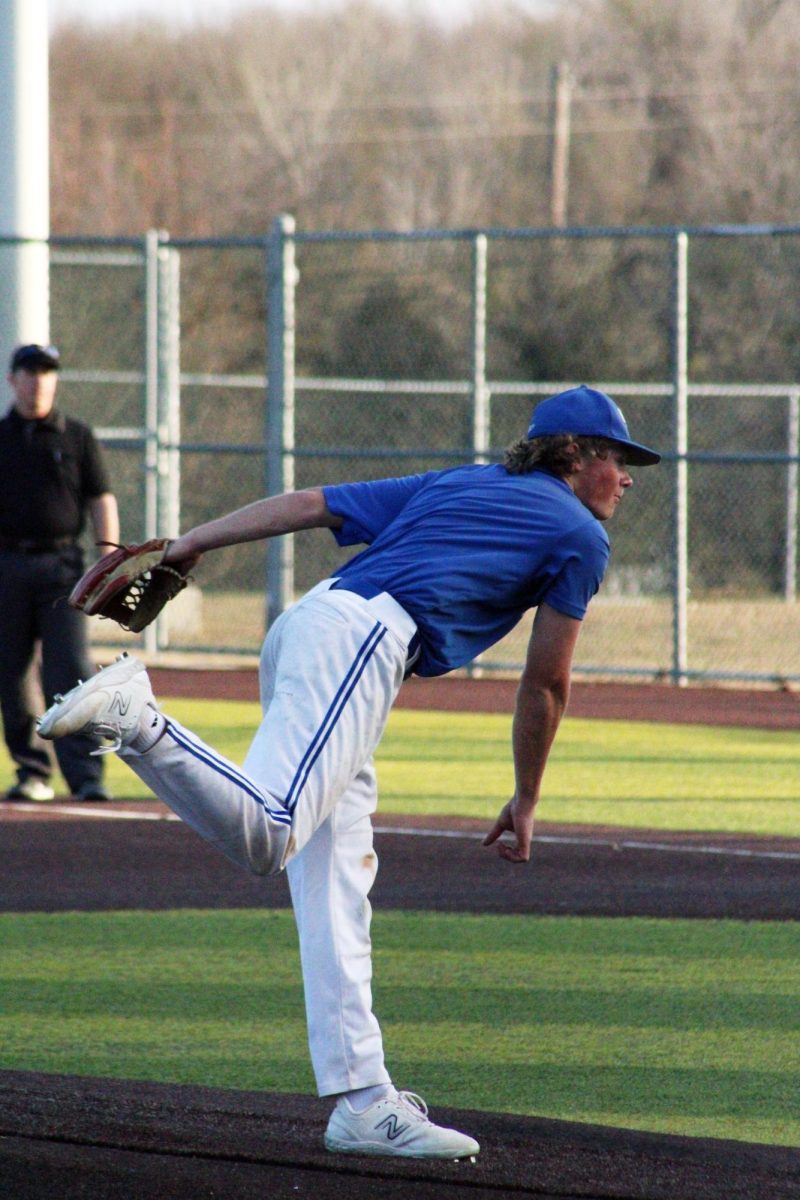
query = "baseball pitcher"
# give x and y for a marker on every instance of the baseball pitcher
(452, 561)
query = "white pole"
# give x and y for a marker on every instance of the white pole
(481, 433)
(282, 281)
(481, 411)
(168, 403)
(681, 502)
(151, 447)
(169, 389)
(24, 174)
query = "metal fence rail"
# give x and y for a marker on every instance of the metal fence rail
(216, 369)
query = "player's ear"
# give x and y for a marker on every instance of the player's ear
(576, 456)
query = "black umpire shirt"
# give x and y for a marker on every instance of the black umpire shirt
(49, 469)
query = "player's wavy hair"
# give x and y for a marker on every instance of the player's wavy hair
(556, 452)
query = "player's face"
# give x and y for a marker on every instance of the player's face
(601, 482)
(34, 392)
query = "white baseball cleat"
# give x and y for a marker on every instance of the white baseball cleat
(397, 1125)
(108, 705)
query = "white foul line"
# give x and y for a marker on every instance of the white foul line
(112, 814)
(663, 847)
(105, 814)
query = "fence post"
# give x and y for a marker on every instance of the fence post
(169, 404)
(792, 450)
(481, 418)
(481, 400)
(680, 550)
(280, 433)
(169, 390)
(151, 379)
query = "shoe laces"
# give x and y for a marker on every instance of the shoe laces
(112, 732)
(415, 1103)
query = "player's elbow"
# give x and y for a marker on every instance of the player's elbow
(314, 510)
(547, 694)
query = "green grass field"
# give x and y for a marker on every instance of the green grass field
(634, 773)
(679, 1026)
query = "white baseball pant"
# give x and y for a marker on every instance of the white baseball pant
(331, 667)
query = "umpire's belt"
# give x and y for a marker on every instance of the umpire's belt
(388, 611)
(36, 546)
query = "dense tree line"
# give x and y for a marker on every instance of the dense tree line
(353, 118)
(356, 118)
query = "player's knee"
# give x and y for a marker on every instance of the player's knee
(270, 856)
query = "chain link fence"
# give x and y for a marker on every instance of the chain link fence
(218, 370)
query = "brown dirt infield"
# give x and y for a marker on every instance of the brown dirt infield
(73, 1137)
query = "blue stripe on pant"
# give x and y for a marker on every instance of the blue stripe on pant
(350, 682)
(206, 755)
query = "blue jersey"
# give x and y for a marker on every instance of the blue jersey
(467, 551)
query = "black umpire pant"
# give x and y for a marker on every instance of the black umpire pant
(33, 608)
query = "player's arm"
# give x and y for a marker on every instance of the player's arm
(104, 515)
(541, 701)
(266, 518)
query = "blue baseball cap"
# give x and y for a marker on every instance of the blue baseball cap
(588, 413)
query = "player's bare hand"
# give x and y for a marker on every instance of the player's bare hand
(515, 819)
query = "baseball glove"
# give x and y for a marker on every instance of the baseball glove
(130, 585)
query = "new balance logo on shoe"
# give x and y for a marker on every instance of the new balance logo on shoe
(392, 1126)
(120, 704)
(107, 706)
(395, 1126)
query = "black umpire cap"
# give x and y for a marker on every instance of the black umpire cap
(35, 358)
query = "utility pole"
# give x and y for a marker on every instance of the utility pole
(560, 106)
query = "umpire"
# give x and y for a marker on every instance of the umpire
(51, 477)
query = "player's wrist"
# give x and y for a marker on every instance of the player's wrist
(181, 548)
(524, 803)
